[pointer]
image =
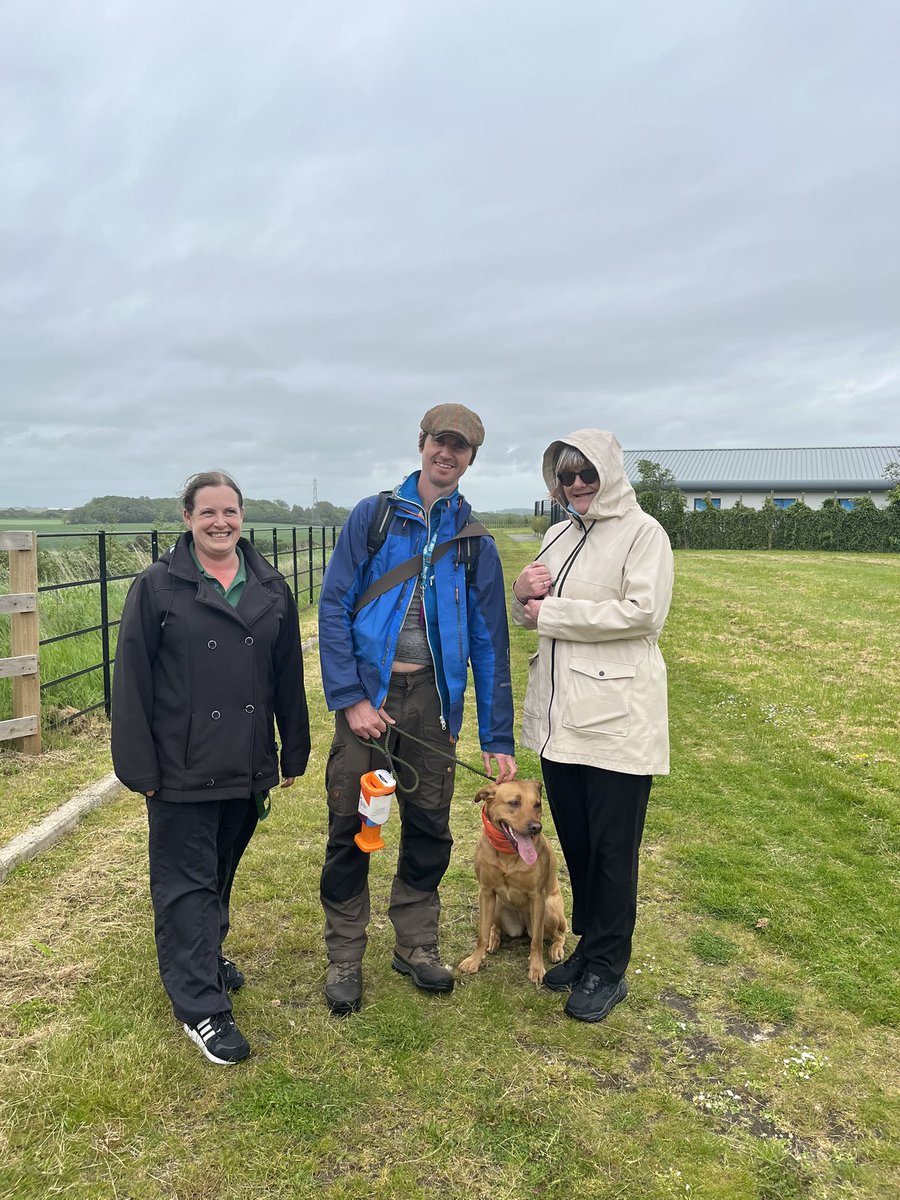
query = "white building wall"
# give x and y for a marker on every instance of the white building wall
(757, 499)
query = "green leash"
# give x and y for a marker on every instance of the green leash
(373, 744)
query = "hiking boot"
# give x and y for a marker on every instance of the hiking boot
(565, 975)
(232, 975)
(343, 987)
(219, 1039)
(422, 964)
(592, 999)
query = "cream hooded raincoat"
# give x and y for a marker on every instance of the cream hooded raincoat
(597, 685)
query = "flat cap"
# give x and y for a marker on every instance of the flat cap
(455, 419)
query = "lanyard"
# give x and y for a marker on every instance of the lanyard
(427, 553)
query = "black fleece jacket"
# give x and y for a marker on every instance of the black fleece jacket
(198, 684)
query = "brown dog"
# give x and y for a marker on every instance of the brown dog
(516, 871)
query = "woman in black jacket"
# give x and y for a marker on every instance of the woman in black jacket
(208, 658)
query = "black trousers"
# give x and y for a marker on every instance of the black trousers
(195, 849)
(599, 817)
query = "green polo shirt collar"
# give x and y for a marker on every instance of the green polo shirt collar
(235, 589)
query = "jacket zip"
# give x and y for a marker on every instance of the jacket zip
(426, 516)
(558, 584)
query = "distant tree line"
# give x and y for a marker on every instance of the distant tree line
(166, 510)
(36, 514)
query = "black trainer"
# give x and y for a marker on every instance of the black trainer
(423, 965)
(232, 975)
(343, 987)
(565, 975)
(592, 999)
(219, 1039)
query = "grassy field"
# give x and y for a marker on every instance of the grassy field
(754, 1059)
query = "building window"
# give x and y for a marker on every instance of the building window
(700, 505)
(847, 504)
(785, 501)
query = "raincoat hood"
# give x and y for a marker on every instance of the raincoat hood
(602, 450)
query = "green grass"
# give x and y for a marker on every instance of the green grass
(755, 1056)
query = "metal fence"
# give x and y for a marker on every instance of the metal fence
(551, 509)
(299, 553)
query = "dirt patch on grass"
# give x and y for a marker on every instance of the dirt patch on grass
(752, 1031)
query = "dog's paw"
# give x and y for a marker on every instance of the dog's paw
(494, 942)
(536, 972)
(557, 952)
(470, 965)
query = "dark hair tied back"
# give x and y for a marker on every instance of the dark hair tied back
(207, 479)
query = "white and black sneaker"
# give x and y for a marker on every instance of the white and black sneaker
(219, 1039)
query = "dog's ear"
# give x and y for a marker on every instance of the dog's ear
(486, 793)
(539, 786)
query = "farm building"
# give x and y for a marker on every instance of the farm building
(811, 474)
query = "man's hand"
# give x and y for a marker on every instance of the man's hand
(287, 781)
(532, 583)
(365, 722)
(506, 766)
(532, 608)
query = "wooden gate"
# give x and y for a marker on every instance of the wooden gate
(21, 606)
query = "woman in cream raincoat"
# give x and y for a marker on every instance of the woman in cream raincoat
(595, 708)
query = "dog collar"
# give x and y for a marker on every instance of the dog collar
(495, 836)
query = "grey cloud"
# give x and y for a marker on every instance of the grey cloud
(270, 237)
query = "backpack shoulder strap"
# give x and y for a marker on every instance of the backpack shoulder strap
(470, 544)
(412, 566)
(378, 524)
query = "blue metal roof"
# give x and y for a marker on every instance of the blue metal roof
(817, 467)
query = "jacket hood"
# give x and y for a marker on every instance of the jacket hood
(602, 450)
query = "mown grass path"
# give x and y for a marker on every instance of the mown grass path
(755, 1057)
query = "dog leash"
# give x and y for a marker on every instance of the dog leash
(375, 744)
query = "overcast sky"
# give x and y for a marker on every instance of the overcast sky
(269, 236)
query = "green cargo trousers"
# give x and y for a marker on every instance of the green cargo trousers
(423, 829)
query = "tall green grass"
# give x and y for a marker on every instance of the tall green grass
(63, 612)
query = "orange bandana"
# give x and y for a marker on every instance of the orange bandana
(495, 836)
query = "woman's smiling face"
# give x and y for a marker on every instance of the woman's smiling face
(579, 494)
(215, 522)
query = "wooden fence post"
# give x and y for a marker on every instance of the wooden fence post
(21, 605)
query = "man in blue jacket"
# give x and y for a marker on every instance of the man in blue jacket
(396, 665)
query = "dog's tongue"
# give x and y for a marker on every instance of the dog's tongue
(525, 847)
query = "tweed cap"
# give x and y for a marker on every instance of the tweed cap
(455, 419)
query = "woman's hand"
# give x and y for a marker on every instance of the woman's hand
(506, 766)
(532, 608)
(532, 583)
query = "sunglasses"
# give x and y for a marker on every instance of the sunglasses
(587, 475)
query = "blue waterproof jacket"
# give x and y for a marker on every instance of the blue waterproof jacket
(464, 624)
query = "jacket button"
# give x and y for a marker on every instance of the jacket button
(249, 708)
(210, 783)
(259, 775)
(215, 714)
(601, 673)
(248, 641)
(211, 645)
